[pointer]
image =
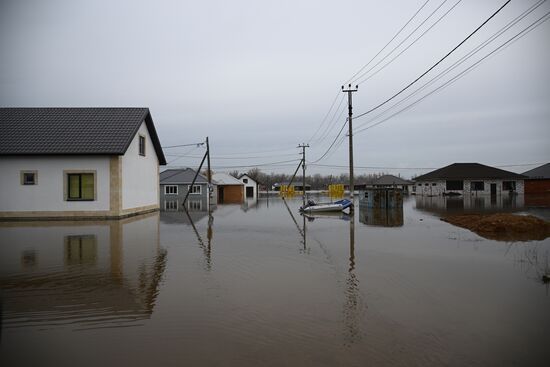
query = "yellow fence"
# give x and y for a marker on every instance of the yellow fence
(287, 190)
(336, 191)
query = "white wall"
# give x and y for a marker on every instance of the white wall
(251, 183)
(140, 177)
(440, 187)
(48, 194)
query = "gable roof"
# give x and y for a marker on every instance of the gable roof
(539, 172)
(225, 179)
(181, 176)
(73, 131)
(390, 180)
(459, 171)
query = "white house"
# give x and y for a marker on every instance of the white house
(250, 186)
(469, 179)
(78, 162)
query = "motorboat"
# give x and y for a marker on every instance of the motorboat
(336, 206)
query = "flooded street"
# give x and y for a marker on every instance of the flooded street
(261, 285)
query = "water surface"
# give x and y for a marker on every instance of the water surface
(260, 285)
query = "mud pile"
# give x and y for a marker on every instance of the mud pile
(503, 226)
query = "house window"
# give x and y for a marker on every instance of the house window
(28, 178)
(171, 189)
(509, 185)
(419, 184)
(194, 205)
(477, 186)
(142, 145)
(245, 180)
(454, 185)
(80, 186)
(196, 189)
(426, 184)
(433, 184)
(171, 205)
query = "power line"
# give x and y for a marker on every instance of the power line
(519, 35)
(182, 145)
(463, 58)
(235, 158)
(418, 168)
(387, 44)
(341, 108)
(409, 46)
(434, 65)
(333, 142)
(324, 118)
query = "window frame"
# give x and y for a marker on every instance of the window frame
(194, 205)
(171, 205)
(27, 172)
(513, 185)
(451, 185)
(191, 192)
(66, 184)
(141, 145)
(171, 193)
(474, 185)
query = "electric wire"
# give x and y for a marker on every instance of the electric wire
(434, 65)
(400, 43)
(461, 60)
(324, 118)
(516, 37)
(387, 44)
(409, 46)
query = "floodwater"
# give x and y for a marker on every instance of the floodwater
(260, 285)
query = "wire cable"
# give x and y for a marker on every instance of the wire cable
(435, 65)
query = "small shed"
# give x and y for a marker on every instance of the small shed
(250, 186)
(230, 189)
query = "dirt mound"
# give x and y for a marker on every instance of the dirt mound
(503, 226)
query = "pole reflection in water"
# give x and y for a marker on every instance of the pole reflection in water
(302, 230)
(353, 306)
(207, 249)
(85, 274)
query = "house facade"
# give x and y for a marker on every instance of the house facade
(229, 189)
(78, 163)
(538, 180)
(469, 179)
(250, 186)
(176, 183)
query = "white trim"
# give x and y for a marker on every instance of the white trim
(194, 193)
(170, 193)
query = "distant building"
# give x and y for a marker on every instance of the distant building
(174, 185)
(391, 181)
(78, 162)
(250, 186)
(469, 179)
(538, 181)
(230, 189)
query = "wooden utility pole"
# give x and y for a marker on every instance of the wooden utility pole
(303, 146)
(350, 134)
(209, 173)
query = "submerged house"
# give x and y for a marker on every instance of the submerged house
(469, 179)
(230, 190)
(250, 186)
(391, 181)
(78, 162)
(174, 185)
(538, 180)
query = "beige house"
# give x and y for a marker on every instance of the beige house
(78, 163)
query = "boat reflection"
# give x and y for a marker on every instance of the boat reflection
(85, 274)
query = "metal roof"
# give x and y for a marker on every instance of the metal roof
(180, 176)
(73, 131)
(391, 180)
(476, 171)
(539, 172)
(225, 179)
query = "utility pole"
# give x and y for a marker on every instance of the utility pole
(303, 146)
(209, 173)
(350, 134)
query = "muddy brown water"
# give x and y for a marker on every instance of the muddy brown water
(249, 286)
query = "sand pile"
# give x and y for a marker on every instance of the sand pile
(503, 226)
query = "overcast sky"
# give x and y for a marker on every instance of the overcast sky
(258, 77)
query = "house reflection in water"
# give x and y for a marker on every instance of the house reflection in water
(88, 274)
(470, 204)
(381, 217)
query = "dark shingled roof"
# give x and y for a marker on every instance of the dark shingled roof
(476, 171)
(180, 176)
(391, 180)
(539, 172)
(73, 131)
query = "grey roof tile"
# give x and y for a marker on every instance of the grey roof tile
(459, 171)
